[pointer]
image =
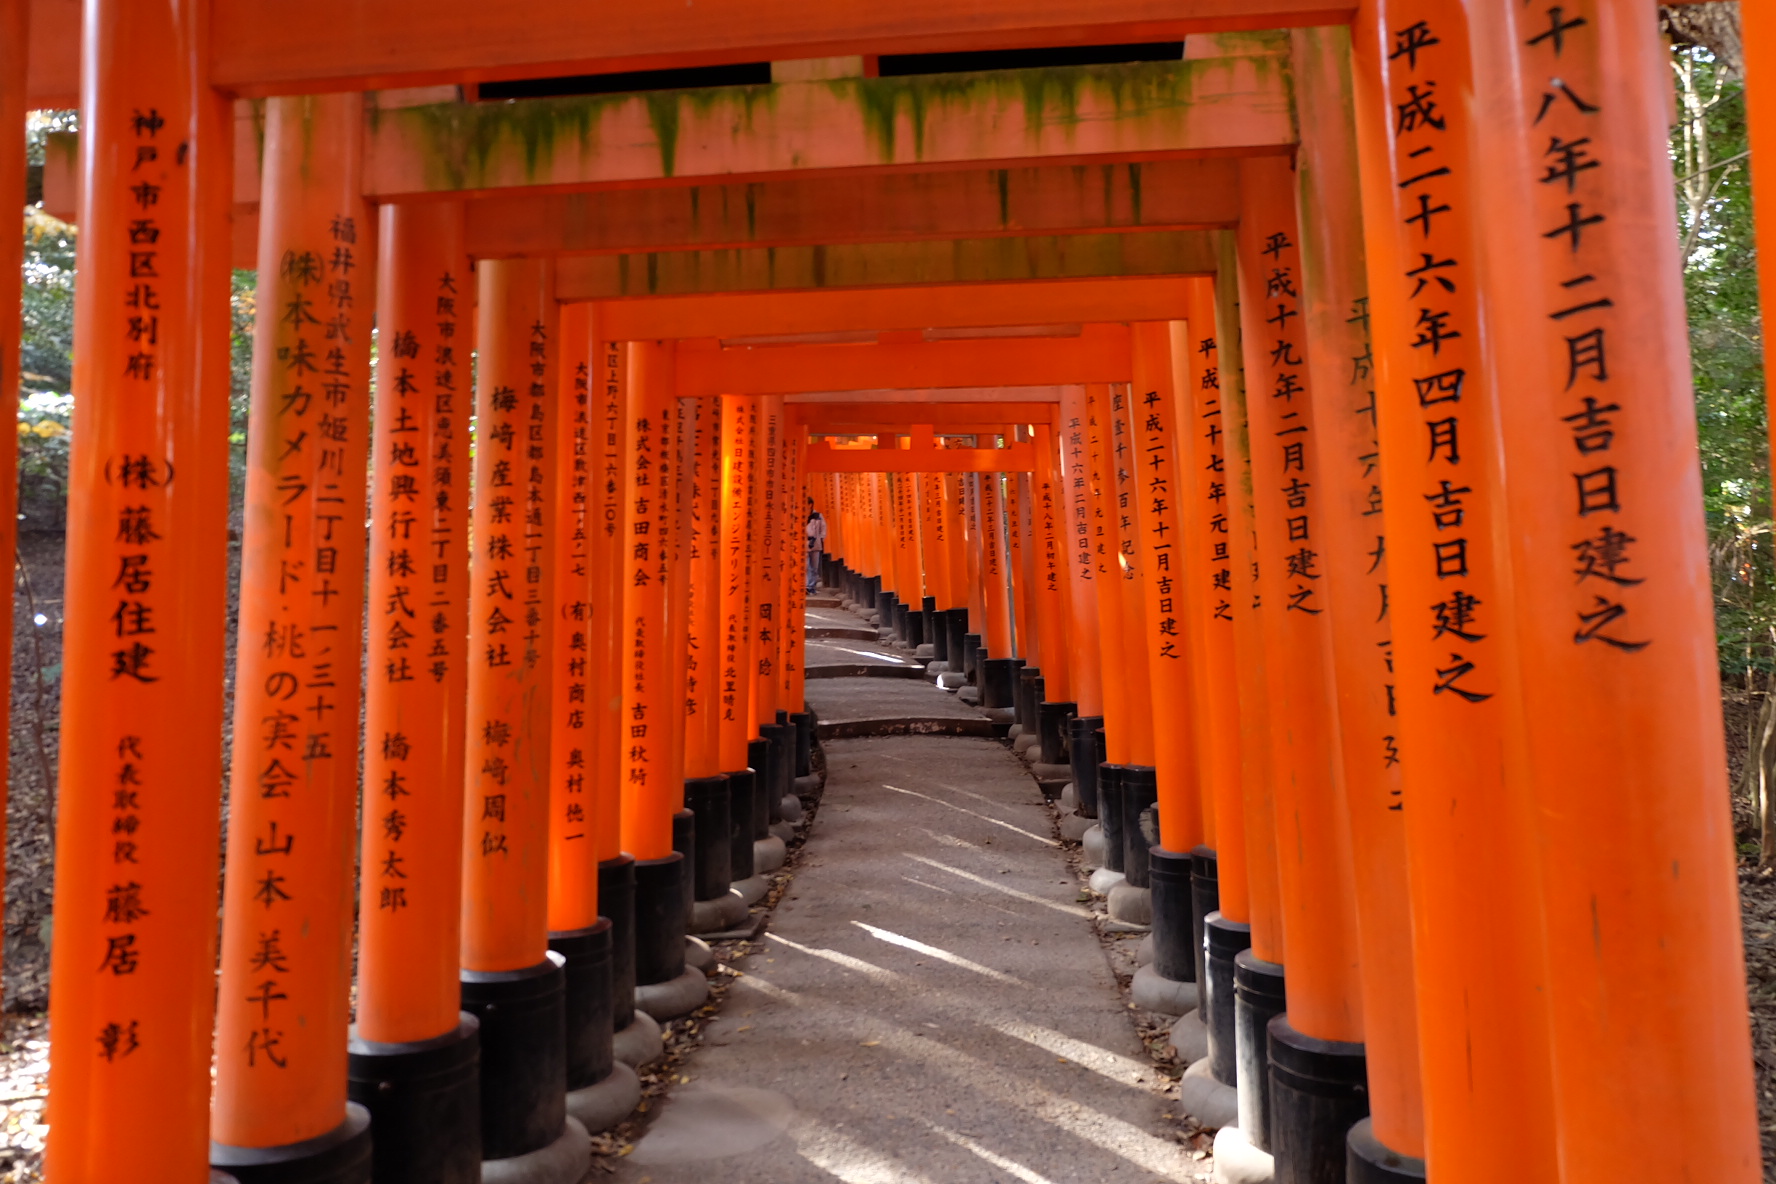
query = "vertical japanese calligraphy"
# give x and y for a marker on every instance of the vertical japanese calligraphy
(287, 912)
(506, 763)
(418, 609)
(734, 702)
(1156, 479)
(649, 795)
(573, 855)
(1290, 512)
(139, 774)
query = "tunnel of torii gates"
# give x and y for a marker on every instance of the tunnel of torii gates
(1295, 434)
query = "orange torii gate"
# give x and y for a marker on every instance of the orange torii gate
(1620, 996)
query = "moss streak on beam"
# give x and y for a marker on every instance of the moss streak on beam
(1010, 112)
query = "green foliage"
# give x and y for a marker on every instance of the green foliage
(1726, 341)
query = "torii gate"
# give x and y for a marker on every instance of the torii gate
(1611, 679)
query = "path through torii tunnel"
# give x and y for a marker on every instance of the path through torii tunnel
(1271, 417)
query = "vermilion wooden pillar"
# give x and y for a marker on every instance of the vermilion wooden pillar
(767, 534)
(1153, 455)
(14, 31)
(1617, 672)
(1482, 1026)
(703, 660)
(1258, 970)
(955, 513)
(739, 419)
(1158, 445)
(1336, 316)
(573, 854)
(1125, 510)
(511, 979)
(579, 932)
(132, 967)
(616, 867)
(1048, 582)
(934, 549)
(1759, 40)
(653, 703)
(1083, 658)
(1220, 892)
(1285, 451)
(650, 798)
(1019, 557)
(287, 903)
(995, 571)
(416, 680)
(1106, 573)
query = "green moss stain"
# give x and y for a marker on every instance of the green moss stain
(1002, 178)
(662, 109)
(469, 145)
(1135, 193)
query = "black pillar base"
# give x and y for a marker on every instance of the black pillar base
(780, 740)
(1035, 689)
(915, 628)
(660, 918)
(1223, 940)
(616, 904)
(956, 631)
(758, 756)
(804, 742)
(903, 623)
(587, 953)
(997, 678)
(1110, 814)
(523, 1016)
(1319, 1089)
(938, 628)
(684, 842)
(1369, 1161)
(1205, 898)
(341, 1156)
(1140, 795)
(424, 1099)
(713, 856)
(1051, 725)
(1085, 753)
(1257, 999)
(742, 788)
(971, 657)
(1169, 878)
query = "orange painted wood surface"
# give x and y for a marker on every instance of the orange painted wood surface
(609, 496)
(573, 846)
(262, 48)
(739, 452)
(512, 620)
(1190, 194)
(285, 983)
(1157, 448)
(986, 260)
(14, 18)
(1084, 662)
(921, 306)
(650, 796)
(1084, 114)
(703, 635)
(1365, 609)
(1099, 354)
(418, 657)
(1618, 672)
(132, 967)
(1208, 593)
(1289, 501)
